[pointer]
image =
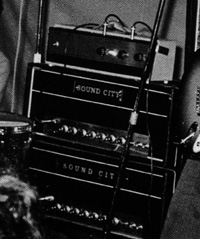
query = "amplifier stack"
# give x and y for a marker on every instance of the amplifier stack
(80, 102)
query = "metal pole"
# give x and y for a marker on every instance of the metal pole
(134, 115)
(39, 36)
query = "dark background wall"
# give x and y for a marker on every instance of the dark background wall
(76, 12)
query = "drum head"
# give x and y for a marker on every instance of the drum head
(14, 124)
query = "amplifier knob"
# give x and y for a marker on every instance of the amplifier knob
(91, 134)
(67, 208)
(111, 138)
(140, 227)
(77, 211)
(64, 128)
(86, 213)
(101, 51)
(70, 130)
(95, 215)
(73, 130)
(116, 221)
(132, 225)
(58, 206)
(101, 136)
(83, 132)
(121, 140)
(122, 54)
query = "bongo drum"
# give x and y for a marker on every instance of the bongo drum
(15, 139)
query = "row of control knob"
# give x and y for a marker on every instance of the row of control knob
(95, 134)
(121, 54)
(92, 134)
(75, 211)
(138, 144)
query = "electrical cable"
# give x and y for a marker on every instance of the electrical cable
(115, 16)
(143, 23)
(134, 117)
(116, 25)
(70, 34)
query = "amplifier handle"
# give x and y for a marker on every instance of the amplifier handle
(134, 116)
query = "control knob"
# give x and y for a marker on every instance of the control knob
(83, 132)
(70, 130)
(101, 51)
(95, 215)
(64, 128)
(122, 54)
(86, 213)
(101, 136)
(91, 134)
(116, 221)
(110, 138)
(121, 140)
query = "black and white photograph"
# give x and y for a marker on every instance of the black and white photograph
(100, 119)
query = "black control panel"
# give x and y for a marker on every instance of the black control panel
(86, 47)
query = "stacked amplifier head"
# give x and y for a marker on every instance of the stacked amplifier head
(80, 101)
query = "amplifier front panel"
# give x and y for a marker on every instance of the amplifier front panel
(90, 48)
(82, 186)
(97, 108)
